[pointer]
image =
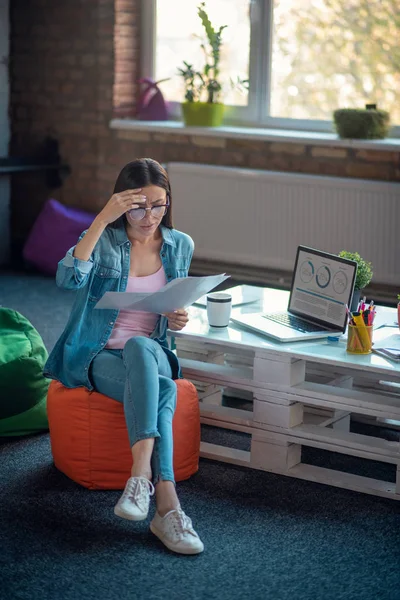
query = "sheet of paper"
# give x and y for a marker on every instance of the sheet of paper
(120, 300)
(389, 346)
(178, 293)
(391, 342)
(241, 295)
(385, 318)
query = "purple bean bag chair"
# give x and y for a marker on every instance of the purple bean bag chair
(56, 229)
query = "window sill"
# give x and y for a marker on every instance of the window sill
(254, 133)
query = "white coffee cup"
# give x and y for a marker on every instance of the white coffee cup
(219, 306)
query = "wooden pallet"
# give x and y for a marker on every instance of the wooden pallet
(294, 404)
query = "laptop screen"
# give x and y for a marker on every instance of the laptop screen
(322, 285)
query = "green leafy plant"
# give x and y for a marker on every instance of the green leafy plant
(368, 124)
(364, 269)
(206, 83)
(398, 297)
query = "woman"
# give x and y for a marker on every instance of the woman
(131, 246)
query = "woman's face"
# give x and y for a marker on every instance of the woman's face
(147, 226)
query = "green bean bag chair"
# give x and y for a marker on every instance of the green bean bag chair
(23, 388)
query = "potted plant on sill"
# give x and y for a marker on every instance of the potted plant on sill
(363, 277)
(202, 106)
(363, 124)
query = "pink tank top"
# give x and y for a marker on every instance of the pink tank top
(130, 323)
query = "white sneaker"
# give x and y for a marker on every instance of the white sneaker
(175, 530)
(134, 502)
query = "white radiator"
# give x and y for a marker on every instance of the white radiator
(258, 218)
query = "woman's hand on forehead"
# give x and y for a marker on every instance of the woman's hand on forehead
(120, 203)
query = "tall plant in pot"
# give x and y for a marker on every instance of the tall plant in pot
(203, 88)
(363, 277)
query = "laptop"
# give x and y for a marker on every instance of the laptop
(322, 286)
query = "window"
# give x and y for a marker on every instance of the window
(304, 58)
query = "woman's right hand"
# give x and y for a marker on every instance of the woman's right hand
(119, 204)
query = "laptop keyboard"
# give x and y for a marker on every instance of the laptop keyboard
(293, 322)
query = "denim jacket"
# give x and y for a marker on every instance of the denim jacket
(107, 270)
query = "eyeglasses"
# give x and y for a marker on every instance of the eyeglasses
(137, 214)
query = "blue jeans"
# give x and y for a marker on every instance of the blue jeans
(139, 376)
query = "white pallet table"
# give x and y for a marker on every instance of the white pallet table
(282, 454)
(234, 360)
(300, 395)
(278, 419)
(314, 435)
(321, 395)
(207, 392)
(340, 479)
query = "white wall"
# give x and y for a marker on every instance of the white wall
(255, 218)
(4, 131)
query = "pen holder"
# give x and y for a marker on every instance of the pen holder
(359, 339)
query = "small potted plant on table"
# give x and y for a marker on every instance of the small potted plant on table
(363, 277)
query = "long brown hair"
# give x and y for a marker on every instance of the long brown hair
(142, 172)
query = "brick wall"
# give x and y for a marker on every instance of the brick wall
(4, 133)
(63, 82)
(62, 77)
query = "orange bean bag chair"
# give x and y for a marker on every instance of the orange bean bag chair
(89, 438)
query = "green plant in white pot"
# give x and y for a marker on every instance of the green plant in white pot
(363, 277)
(203, 89)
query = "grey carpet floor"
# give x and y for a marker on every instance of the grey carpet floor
(266, 537)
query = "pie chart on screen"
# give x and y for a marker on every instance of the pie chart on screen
(306, 271)
(340, 282)
(323, 277)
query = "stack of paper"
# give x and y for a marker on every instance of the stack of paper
(389, 347)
